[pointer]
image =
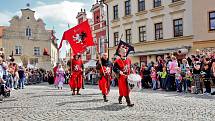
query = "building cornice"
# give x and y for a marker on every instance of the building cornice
(157, 9)
(178, 3)
(143, 19)
(178, 11)
(107, 1)
(127, 16)
(117, 26)
(203, 41)
(27, 9)
(115, 20)
(164, 40)
(157, 16)
(159, 41)
(127, 23)
(141, 13)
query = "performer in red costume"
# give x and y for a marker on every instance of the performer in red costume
(122, 67)
(104, 67)
(76, 78)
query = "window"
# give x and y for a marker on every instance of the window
(128, 35)
(175, 0)
(141, 5)
(158, 31)
(178, 27)
(115, 12)
(142, 33)
(127, 7)
(157, 3)
(212, 21)
(28, 32)
(116, 38)
(18, 50)
(36, 51)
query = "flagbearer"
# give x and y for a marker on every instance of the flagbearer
(76, 79)
(104, 67)
(122, 67)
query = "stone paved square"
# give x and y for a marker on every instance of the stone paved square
(46, 103)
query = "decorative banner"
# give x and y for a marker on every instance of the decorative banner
(79, 37)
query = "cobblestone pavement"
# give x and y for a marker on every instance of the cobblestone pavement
(44, 102)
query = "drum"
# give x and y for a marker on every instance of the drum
(134, 82)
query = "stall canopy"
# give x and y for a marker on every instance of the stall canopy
(90, 64)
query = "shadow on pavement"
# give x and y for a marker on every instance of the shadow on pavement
(10, 100)
(181, 94)
(13, 107)
(81, 101)
(111, 107)
(51, 95)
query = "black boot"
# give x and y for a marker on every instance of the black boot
(105, 98)
(120, 99)
(78, 91)
(128, 102)
(73, 91)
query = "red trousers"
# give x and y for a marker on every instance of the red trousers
(104, 85)
(76, 80)
(123, 86)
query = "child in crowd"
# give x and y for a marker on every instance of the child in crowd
(178, 79)
(163, 76)
(187, 80)
(154, 78)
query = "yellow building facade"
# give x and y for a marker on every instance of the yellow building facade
(28, 40)
(159, 27)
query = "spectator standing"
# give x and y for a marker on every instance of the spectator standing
(172, 71)
(154, 78)
(206, 78)
(21, 81)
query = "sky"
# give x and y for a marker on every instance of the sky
(56, 14)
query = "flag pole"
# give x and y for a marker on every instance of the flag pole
(100, 62)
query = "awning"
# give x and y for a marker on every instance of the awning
(90, 64)
(159, 51)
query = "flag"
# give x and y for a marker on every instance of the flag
(79, 37)
(125, 45)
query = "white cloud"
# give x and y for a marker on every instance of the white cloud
(5, 17)
(60, 12)
(40, 3)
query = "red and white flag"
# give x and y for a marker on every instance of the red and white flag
(79, 37)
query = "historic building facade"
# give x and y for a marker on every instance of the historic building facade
(159, 27)
(29, 41)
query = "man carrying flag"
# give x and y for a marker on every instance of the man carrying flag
(104, 67)
(122, 67)
(79, 38)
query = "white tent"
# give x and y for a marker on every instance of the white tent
(90, 64)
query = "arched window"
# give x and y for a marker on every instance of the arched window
(28, 32)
